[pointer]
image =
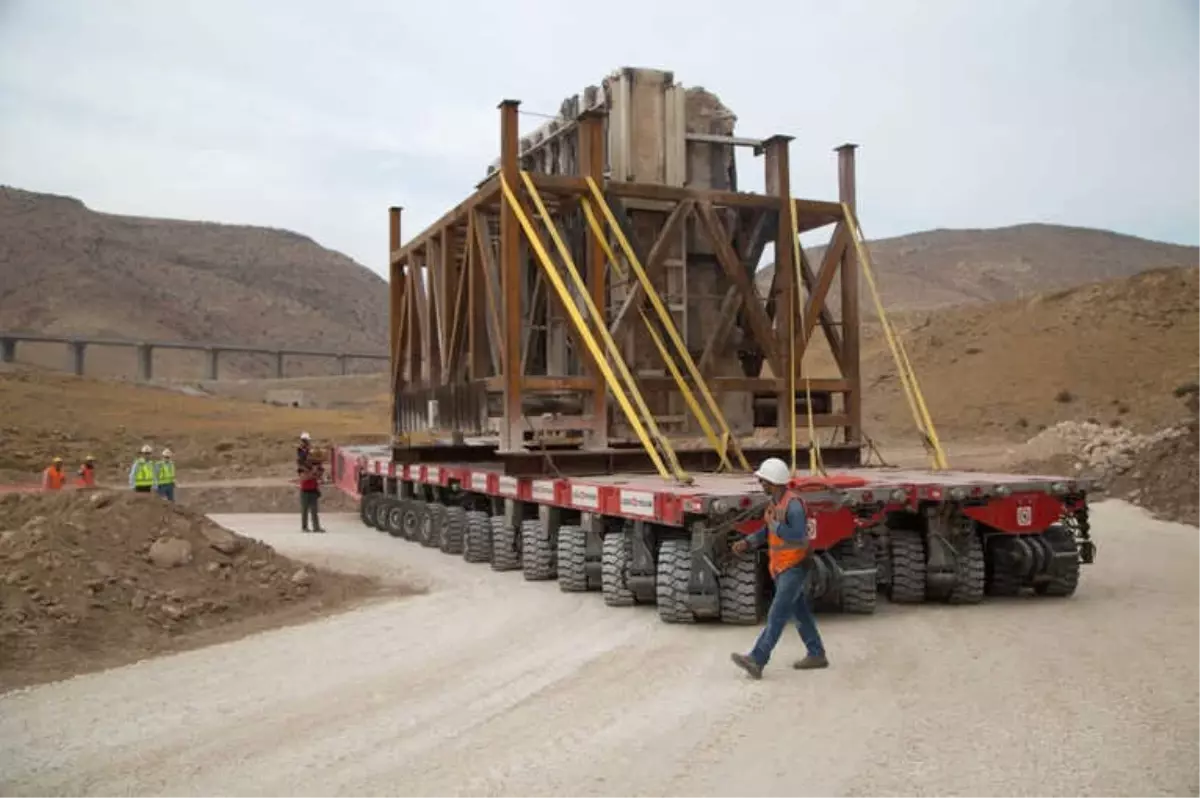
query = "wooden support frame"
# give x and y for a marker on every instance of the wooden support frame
(463, 292)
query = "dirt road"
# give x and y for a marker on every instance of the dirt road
(493, 685)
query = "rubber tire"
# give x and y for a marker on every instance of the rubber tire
(614, 568)
(380, 509)
(477, 543)
(395, 518)
(740, 590)
(572, 559)
(972, 573)
(1065, 582)
(414, 511)
(856, 596)
(430, 531)
(537, 555)
(671, 581)
(505, 554)
(454, 527)
(908, 567)
(365, 513)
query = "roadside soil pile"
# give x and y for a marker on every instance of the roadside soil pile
(1159, 471)
(94, 579)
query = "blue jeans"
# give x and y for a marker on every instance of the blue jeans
(790, 603)
(167, 492)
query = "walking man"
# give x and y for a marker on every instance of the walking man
(53, 477)
(310, 493)
(786, 535)
(164, 476)
(141, 473)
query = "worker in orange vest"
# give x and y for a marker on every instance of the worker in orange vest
(53, 477)
(786, 535)
(87, 472)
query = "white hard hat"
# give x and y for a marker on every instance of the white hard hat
(146, 449)
(166, 452)
(775, 471)
(304, 436)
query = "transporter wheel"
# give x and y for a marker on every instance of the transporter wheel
(506, 555)
(537, 555)
(908, 566)
(429, 529)
(617, 554)
(1001, 574)
(395, 518)
(454, 526)
(477, 543)
(572, 559)
(856, 594)
(1066, 570)
(365, 511)
(414, 511)
(740, 588)
(671, 581)
(380, 511)
(971, 571)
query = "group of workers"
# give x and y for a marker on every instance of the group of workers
(145, 475)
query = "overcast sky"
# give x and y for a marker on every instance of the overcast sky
(315, 116)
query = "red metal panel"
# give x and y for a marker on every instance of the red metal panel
(1019, 514)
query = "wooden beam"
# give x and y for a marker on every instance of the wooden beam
(756, 316)
(816, 308)
(488, 191)
(491, 285)
(512, 429)
(652, 263)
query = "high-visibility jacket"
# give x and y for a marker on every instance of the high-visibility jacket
(165, 472)
(87, 476)
(53, 478)
(784, 551)
(142, 473)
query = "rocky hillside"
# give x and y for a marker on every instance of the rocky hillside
(1114, 351)
(67, 269)
(953, 267)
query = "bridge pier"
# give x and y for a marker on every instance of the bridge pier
(279, 365)
(343, 363)
(8, 350)
(214, 363)
(78, 355)
(145, 357)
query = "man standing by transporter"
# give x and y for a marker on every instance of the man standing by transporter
(786, 535)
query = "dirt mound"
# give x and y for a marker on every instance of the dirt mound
(93, 579)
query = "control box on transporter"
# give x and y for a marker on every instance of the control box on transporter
(580, 357)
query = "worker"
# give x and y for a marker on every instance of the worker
(87, 472)
(53, 477)
(164, 476)
(786, 533)
(310, 493)
(303, 450)
(141, 473)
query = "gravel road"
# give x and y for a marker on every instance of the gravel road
(492, 685)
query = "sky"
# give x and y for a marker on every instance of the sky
(316, 116)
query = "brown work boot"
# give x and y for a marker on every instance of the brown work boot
(748, 665)
(811, 663)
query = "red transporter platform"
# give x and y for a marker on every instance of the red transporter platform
(915, 535)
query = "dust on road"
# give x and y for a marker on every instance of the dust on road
(493, 685)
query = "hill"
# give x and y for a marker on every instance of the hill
(939, 268)
(67, 269)
(1113, 351)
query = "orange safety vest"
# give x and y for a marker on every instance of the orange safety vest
(87, 476)
(53, 479)
(782, 554)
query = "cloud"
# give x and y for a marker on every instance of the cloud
(316, 117)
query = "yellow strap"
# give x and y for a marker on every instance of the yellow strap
(908, 377)
(815, 465)
(722, 443)
(581, 324)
